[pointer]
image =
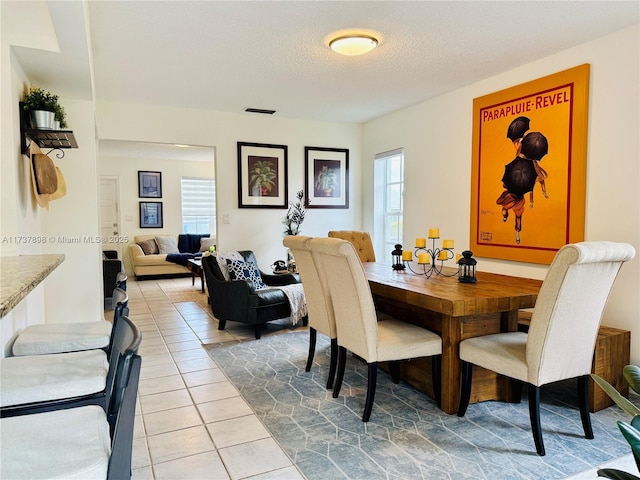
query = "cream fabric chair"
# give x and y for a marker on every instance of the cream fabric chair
(319, 306)
(562, 333)
(356, 323)
(360, 240)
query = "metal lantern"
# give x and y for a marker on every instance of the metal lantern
(467, 268)
(397, 257)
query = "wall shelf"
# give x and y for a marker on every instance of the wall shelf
(53, 139)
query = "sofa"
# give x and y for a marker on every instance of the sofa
(153, 263)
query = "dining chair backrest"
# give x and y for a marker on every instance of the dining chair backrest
(355, 313)
(361, 241)
(567, 314)
(120, 302)
(318, 304)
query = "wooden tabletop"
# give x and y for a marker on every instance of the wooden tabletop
(492, 293)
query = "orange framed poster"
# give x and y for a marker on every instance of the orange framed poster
(528, 173)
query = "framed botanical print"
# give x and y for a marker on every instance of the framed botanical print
(262, 175)
(327, 177)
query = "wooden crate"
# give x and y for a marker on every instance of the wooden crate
(612, 353)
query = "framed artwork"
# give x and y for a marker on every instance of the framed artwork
(262, 175)
(528, 173)
(327, 177)
(150, 214)
(149, 184)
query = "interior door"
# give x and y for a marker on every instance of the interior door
(109, 214)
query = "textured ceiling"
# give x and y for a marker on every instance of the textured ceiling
(225, 55)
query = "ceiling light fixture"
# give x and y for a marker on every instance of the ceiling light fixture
(353, 44)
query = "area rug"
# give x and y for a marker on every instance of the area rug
(408, 437)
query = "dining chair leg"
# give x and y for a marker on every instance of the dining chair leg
(394, 370)
(312, 348)
(332, 363)
(465, 390)
(372, 378)
(516, 390)
(436, 378)
(342, 359)
(583, 401)
(534, 416)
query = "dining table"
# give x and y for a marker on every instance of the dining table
(455, 311)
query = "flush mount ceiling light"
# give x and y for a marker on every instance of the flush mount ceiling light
(353, 44)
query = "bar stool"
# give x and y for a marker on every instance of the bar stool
(84, 442)
(51, 338)
(38, 383)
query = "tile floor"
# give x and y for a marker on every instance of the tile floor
(191, 422)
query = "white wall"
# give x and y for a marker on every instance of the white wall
(436, 136)
(126, 170)
(259, 230)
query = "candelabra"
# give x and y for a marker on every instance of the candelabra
(428, 258)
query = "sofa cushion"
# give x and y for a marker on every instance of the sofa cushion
(167, 244)
(205, 243)
(149, 247)
(239, 270)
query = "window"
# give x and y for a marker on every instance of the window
(388, 207)
(198, 205)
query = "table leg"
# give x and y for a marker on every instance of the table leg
(450, 385)
(202, 280)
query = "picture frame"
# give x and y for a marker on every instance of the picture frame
(149, 184)
(262, 175)
(326, 173)
(528, 173)
(150, 214)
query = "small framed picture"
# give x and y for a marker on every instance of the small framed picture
(327, 177)
(150, 214)
(262, 175)
(149, 184)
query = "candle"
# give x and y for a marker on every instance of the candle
(434, 233)
(421, 242)
(447, 244)
(407, 256)
(423, 258)
(443, 255)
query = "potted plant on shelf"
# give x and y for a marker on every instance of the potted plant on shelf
(44, 109)
(630, 431)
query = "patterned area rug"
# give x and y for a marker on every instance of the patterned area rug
(408, 437)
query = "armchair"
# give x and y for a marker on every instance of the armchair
(240, 301)
(111, 267)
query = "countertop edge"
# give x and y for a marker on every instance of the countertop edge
(19, 275)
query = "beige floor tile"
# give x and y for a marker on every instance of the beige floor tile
(155, 371)
(265, 456)
(152, 349)
(236, 431)
(224, 409)
(173, 330)
(151, 341)
(196, 467)
(159, 385)
(138, 427)
(187, 355)
(179, 347)
(217, 337)
(140, 453)
(181, 443)
(186, 366)
(213, 391)
(288, 473)
(203, 377)
(158, 359)
(181, 338)
(165, 401)
(143, 473)
(168, 421)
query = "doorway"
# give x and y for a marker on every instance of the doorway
(110, 214)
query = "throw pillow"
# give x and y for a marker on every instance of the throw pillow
(167, 244)
(205, 243)
(239, 270)
(149, 247)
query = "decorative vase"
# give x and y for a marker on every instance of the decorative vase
(43, 120)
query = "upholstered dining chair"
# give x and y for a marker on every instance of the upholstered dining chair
(358, 327)
(562, 333)
(360, 240)
(319, 306)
